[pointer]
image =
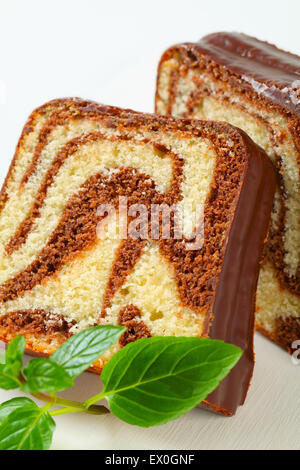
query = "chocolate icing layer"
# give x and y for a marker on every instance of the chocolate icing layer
(232, 321)
(260, 65)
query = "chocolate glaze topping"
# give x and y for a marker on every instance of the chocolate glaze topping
(244, 246)
(265, 68)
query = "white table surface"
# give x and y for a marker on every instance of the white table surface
(270, 419)
(108, 51)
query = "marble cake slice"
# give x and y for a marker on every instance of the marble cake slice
(60, 274)
(255, 86)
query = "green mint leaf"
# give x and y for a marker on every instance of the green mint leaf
(8, 406)
(27, 427)
(8, 378)
(43, 375)
(155, 380)
(81, 350)
(14, 354)
(12, 365)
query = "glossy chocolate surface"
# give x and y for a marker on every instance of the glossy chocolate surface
(262, 66)
(233, 319)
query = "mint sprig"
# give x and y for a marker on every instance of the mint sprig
(147, 383)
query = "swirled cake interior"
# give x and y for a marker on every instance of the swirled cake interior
(76, 249)
(255, 86)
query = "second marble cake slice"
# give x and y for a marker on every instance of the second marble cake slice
(80, 244)
(256, 86)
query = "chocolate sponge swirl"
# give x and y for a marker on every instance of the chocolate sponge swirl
(65, 265)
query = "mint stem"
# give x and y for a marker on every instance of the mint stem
(63, 411)
(92, 410)
(46, 407)
(88, 403)
(69, 404)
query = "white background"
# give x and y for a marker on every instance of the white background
(108, 51)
